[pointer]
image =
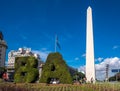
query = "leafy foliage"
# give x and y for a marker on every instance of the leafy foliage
(55, 67)
(26, 69)
(2, 70)
(78, 76)
(115, 77)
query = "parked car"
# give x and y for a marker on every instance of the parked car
(54, 81)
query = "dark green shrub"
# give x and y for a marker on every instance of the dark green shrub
(26, 69)
(55, 67)
(2, 70)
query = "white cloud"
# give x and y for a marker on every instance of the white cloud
(44, 49)
(83, 55)
(114, 63)
(116, 46)
(99, 59)
(77, 58)
(43, 53)
(81, 69)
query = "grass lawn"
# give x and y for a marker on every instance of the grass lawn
(59, 87)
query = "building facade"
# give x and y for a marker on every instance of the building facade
(21, 52)
(3, 47)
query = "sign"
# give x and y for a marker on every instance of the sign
(115, 70)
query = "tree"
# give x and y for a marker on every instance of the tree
(2, 70)
(116, 77)
(55, 68)
(78, 76)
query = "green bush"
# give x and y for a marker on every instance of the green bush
(26, 69)
(1, 80)
(55, 67)
(2, 70)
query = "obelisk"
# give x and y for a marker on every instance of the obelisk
(90, 64)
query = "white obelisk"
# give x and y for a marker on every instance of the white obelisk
(90, 64)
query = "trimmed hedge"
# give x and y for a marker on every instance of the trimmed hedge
(55, 67)
(26, 69)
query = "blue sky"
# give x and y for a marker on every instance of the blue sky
(34, 23)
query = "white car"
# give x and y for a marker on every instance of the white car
(54, 82)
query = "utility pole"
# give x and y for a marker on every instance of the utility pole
(107, 68)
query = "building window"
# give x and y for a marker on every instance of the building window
(0, 55)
